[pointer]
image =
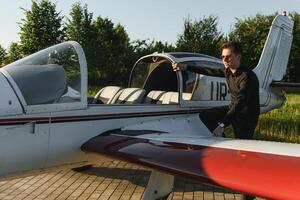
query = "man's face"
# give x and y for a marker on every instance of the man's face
(230, 59)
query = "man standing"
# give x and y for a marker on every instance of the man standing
(244, 90)
(243, 85)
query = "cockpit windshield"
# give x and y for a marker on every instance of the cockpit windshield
(154, 73)
(48, 76)
(204, 88)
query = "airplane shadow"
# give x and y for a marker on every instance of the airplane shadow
(140, 177)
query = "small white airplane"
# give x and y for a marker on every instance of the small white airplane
(47, 120)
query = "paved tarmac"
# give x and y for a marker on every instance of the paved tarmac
(109, 180)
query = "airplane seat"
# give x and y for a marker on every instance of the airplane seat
(187, 96)
(172, 98)
(106, 94)
(166, 98)
(154, 96)
(129, 96)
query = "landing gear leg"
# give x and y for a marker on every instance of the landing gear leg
(159, 186)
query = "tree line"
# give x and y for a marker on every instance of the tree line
(110, 53)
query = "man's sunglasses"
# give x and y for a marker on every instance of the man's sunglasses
(225, 57)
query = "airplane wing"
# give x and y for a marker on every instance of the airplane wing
(260, 168)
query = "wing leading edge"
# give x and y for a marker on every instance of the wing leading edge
(289, 87)
(258, 173)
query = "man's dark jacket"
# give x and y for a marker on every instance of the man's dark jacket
(244, 90)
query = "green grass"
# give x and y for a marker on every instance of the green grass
(281, 124)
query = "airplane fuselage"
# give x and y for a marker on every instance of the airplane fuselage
(43, 125)
(51, 140)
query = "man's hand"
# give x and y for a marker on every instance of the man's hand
(218, 131)
(179, 67)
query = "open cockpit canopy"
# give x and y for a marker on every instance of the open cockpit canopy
(154, 73)
(56, 75)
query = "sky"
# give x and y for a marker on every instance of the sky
(159, 20)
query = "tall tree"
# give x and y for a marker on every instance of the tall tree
(2, 55)
(200, 36)
(41, 28)
(14, 53)
(144, 47)
(141, 48)
(111, 45)
(79, 28)
(252, 32)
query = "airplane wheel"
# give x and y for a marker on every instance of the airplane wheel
(82, 168)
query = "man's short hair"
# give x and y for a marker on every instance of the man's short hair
(235, 46)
